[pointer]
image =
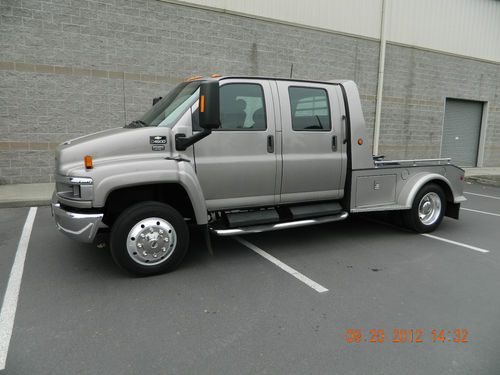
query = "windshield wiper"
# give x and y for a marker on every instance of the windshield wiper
(136, 124)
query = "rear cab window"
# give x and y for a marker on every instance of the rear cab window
(310, 109)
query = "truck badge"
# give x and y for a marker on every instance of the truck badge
(158, 140)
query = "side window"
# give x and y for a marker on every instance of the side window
(310, 109)
(242, 107)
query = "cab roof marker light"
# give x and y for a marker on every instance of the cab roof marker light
(193, 78)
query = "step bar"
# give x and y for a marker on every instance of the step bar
(279, 226)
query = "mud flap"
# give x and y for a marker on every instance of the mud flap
(452, 210)
(208, 242)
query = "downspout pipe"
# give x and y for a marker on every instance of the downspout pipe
(380, 83)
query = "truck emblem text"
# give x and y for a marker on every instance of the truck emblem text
(158, 139)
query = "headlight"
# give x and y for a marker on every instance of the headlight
(78, 188)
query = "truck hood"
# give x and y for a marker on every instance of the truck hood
(112, 145)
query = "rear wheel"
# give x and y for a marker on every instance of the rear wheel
(149, 238)
(427, 210)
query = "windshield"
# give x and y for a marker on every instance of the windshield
(166, 112)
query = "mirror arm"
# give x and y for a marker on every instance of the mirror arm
(182, 142)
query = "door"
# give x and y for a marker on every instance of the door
(236, 164)
(461, 131)
(312, 146)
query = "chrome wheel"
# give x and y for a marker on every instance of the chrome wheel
(151, 241)
(429, 208)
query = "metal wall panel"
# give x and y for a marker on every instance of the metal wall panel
(358, 17)
(461, 129)
(463, 27)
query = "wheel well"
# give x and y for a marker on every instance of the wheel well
(172, 194)
(452, 209)
(446, 189)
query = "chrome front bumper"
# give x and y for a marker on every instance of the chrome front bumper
(78, 226)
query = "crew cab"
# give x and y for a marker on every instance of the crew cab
(238, 155)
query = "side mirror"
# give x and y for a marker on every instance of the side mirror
(156, 100)
(209, 105)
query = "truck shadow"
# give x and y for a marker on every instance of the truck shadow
(315, 239)
(91, 260)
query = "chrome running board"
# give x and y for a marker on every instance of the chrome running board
(279, 226)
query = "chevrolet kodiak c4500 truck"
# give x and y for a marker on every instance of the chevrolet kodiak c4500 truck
(238, 155)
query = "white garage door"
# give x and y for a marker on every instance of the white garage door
(461, 130)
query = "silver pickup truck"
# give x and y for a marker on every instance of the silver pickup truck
(238, 155)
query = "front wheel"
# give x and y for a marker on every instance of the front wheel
(149, 238)
(427, 210)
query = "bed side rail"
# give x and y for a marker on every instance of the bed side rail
(412, 162)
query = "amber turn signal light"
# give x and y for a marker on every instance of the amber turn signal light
(202, 103)
(87, 160)
(360, 141)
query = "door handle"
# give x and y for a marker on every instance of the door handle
(270, 144)
(334, 143)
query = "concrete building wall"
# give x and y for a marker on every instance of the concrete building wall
(416, 85)
(68, 68)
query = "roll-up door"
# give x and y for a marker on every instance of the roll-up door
(461, 130)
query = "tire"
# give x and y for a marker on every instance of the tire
(427, 210)
(149, 238)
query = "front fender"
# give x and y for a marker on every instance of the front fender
(154, 171)
(189, 180)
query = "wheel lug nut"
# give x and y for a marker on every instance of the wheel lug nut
(163, 249)
(155, 255)
(139, 246)
(161, 231)
(144, 253)
(142, 235)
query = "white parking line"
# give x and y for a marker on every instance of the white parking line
(436, 237)
(482, 195)
(9, 306)
(479, 212)
(317, 287)
(455, 243)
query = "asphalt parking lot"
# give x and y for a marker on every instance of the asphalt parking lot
(237, 312)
